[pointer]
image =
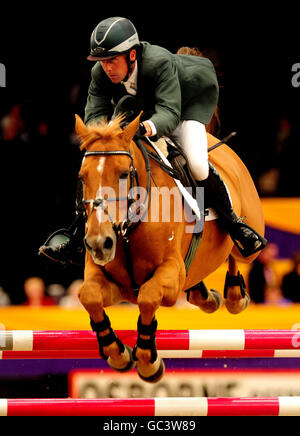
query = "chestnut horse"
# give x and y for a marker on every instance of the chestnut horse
(145, 265)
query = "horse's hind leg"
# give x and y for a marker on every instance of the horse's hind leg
(207, 300)
(235, 295)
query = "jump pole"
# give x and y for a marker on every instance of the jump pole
(29, 340)
(166, 354)
(196, 406)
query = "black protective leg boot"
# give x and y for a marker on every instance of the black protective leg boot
(66, 245)
(247, 240)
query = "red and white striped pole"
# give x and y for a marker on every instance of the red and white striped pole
(166, 354)
(28, 340)
(196, 406)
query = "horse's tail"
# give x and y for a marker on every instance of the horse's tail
(214, 125)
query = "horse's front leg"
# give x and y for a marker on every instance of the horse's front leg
(163, 288)
(96, 293)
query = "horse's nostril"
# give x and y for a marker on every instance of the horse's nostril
(87, 245)
(108, 243)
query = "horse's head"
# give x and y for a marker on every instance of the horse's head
(106, 172)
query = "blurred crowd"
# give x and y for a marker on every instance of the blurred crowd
(264, 284)
(38, 294)
(278, 175)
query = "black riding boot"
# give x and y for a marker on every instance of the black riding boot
(66, 245)
(247, 240)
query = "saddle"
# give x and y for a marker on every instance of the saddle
(179, 162)
(183, 173)
(180, 170)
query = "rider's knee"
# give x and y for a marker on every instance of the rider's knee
(200, 170)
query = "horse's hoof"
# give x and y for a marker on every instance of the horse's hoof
(158, 374)
(128, 366)
(237, 306)
(213, 302)
(218, 298)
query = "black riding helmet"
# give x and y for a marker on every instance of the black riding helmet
(113, 37)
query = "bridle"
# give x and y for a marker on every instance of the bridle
(131, 220)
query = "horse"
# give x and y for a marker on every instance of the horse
(142, 261)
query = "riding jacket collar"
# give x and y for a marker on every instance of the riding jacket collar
(131, 83)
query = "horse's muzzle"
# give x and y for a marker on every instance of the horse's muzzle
(102, 248)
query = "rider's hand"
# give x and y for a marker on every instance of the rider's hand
(148, 128)
(144, 129)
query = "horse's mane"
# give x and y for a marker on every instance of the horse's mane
(102, 129)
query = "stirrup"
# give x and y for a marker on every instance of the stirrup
(246, 251)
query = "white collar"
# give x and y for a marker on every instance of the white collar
(131, 83)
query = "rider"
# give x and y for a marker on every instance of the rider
(178, 95)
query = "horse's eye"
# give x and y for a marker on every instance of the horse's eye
(124, 174)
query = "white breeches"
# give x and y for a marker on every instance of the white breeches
(191, 135)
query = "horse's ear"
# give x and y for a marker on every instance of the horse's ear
(129, 132)
(80, 128)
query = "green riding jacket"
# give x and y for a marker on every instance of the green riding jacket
(170, 88)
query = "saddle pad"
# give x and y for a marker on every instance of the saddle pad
(189, 199)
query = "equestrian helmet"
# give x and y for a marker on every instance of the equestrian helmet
(112, 37)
